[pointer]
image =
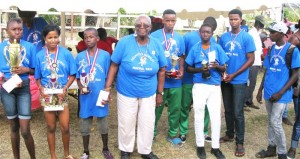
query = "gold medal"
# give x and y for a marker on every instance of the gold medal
(167, 53)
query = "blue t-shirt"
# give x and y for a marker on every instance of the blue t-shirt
(244, 28)
(65, 66)
(88, 102)
(190, 39)
(176, 48)
(237, 47)
(277, 73)
(197, 54)
(29, 59)
(138, 66)
(34, 34)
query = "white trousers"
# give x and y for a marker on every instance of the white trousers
(132, 112)
(210, 95)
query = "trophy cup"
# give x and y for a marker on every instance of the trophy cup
(53, 88)
(84, 80)
(225, 73)
(205, 74)
(15, 58)
(174, 61)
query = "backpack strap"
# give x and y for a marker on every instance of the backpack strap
(288, 61)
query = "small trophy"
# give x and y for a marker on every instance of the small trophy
(15, 58)
(174, 61)
(205, 74)
(225, 73)
(84, 80)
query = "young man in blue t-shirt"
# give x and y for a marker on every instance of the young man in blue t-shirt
(239, 47)
(207, 91)
(174, 48)
(278, 92)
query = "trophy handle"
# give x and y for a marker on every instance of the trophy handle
(22, 57)
(5, 55)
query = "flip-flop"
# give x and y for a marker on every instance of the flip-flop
(239, 151)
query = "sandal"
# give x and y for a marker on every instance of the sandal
(69, 157)
(226, 138)
(175, 141)
(240, 150)
(270, 152)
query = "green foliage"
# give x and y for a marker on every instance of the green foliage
(52, 19)
(291, 13)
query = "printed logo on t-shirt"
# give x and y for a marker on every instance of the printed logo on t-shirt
(35, 35)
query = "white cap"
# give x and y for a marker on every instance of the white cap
(279, 27)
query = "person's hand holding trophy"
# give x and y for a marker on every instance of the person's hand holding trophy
(173, 72)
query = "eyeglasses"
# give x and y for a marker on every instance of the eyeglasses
(142, 25)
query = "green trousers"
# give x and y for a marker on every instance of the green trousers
(172, 96)
(186, 101)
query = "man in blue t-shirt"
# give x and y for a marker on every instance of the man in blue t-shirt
(173, 45)
(204, 59)
(190, 39)
(239, 47)
(278, 92)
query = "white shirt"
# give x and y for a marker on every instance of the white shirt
(255, 35)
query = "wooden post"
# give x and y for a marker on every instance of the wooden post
(63, 28)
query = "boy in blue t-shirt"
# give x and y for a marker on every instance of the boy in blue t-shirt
(239, 47)
(278, 92)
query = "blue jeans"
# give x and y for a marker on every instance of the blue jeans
(296, 130)
(276, 135)
(234, 98)
(285, 112)
(296, 108)
(17, 103)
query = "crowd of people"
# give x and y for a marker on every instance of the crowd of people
(153, 69)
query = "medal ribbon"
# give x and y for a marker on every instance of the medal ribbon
(279, 50)
(167, 42)
(55, 58)
(94, 61)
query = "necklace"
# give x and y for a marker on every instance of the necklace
(236, 35)
(277, 55)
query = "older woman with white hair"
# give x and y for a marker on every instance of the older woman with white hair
(140, 63)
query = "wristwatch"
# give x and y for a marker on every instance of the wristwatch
(161, 93)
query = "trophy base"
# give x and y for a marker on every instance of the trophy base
(172, 74)
(85, 90)
(54, 108)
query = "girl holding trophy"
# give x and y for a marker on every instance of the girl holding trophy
(17, 62)
(55, 72)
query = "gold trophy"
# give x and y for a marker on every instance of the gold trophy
(84, 80)
(15, 57)
(174, 61)
(205, 74)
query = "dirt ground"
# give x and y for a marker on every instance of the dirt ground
(255, 137)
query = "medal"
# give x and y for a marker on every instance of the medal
(92, 65)
(167, 53)
(54, 65)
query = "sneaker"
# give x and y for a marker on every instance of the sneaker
(125, 155)
(107, 154)
(207, 138)
(175, 141)
(201, 152)
(291, 153)
(182, 138)
(282, 156)
(218, 153)
(149, 156)
(84, 156)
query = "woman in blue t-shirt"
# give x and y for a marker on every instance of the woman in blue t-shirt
(140, 63)
(55, 69)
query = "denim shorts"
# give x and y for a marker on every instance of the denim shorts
(17, 103)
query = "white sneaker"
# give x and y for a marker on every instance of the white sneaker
(84, 156)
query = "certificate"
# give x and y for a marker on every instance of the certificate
(12, 83)
(103, 95)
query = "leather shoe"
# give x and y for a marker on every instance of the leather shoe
(201, 152)
(125, 155)
(149, 156)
